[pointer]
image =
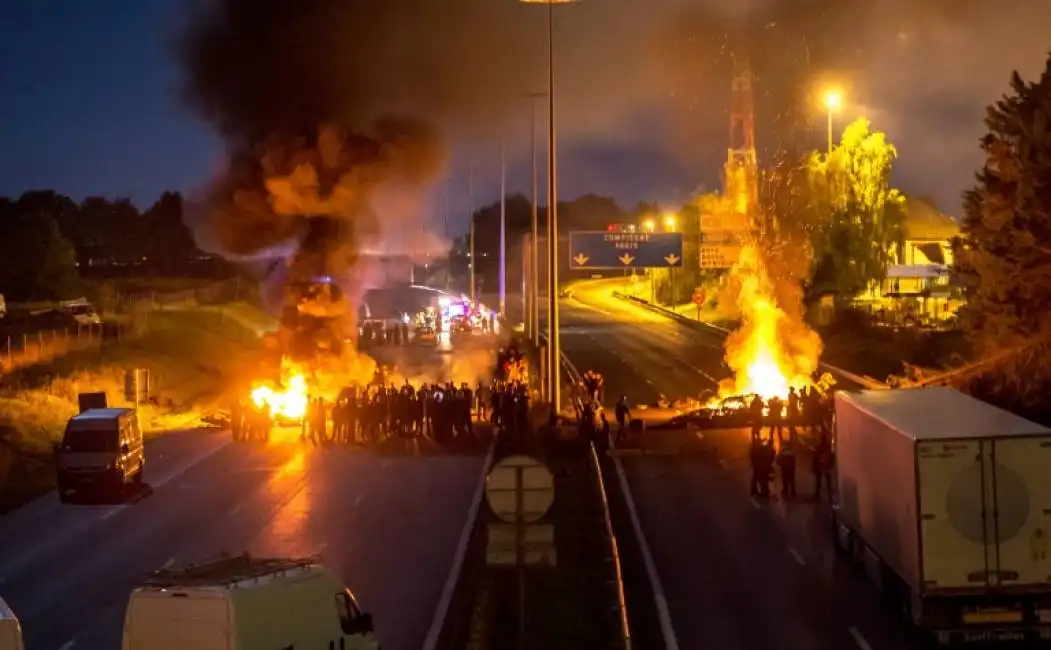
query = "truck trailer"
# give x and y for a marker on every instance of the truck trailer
(945, 502)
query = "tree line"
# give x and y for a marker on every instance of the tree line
(51, 242)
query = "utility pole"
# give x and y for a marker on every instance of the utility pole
(503, 229)
(534, 292)
(470, 216)
(553, 342)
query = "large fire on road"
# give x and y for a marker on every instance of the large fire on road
(287, 400)
(770, 352)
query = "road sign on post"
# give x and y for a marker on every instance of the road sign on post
(137, 385)
(719, 255)
(698, 297)
(625, 250)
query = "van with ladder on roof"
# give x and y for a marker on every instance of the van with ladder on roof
(246, 603)
(944, 502)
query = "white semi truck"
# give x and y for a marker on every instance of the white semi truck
(945, 502)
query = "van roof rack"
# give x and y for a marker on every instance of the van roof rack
(226, 569)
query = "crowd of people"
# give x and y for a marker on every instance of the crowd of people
(805, 411)
(382, 410)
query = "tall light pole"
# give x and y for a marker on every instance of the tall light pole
(534, 292)
(532, 301)
(553, 343)
(445, 232)
(503, 229)
(470, 215)
(833, 99)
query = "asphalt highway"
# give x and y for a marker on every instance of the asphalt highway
(738, 573)
(387, 522)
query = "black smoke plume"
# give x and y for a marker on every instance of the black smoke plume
(325, 104)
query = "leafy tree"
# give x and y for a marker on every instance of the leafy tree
(36, 260)
(866, 216)
(1006, 244)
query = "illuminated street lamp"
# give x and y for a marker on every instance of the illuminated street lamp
(554, 367)
(833, 100)
(649, 225)
(669, 222)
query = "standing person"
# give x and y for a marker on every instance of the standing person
(786, 459)
(236, 419)
(623, 415)
(755, 414)
(821, 466)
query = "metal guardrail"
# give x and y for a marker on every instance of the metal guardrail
(867, 382)
(622, 606)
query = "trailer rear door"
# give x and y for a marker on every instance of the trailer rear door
(954, 534)
(1021, 521)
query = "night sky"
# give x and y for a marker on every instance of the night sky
(89, 97)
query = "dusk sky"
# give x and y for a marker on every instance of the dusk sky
(91, 105)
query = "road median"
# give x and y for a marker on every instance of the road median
(861, 380)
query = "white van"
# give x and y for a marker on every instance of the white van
(245, 603)
(10, 629)
(101, 448)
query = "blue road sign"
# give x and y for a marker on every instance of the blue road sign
(625, 250)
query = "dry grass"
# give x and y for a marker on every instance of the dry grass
(192, 356)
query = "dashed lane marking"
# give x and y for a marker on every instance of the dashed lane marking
(755, 504)
(797, 557)
(357, 501)
(68, 645)
(858, 638)
(700, 435)
(168, 564)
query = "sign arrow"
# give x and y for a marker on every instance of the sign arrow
(626, 259)
(581, 259)
(671, 259)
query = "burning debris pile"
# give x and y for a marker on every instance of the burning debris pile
(771, 352)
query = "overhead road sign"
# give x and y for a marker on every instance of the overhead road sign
(625, 250)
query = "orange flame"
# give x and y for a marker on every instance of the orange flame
(761, 358)
(289, 399)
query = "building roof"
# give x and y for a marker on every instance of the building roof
(924, 221)
(940, 413)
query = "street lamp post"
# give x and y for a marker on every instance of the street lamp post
(470, 215)
(553, 343)
(534, 293)
(503, 229)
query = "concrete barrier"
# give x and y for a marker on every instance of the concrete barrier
(861, 380)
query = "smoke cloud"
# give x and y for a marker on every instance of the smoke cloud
(333, 113)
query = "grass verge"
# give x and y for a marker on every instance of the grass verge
(192, 356)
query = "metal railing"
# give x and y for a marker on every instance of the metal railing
(865, 381)
(614, 549)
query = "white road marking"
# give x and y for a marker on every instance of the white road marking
(671, 642)
(68, 645)
(235, 509)
(797, 557)
(858, 639)
(755, 504)
(385, 464)
(722, 463)
(357, 501)
(168, 564)
(112, 511)
(442, 610)
(700, 435)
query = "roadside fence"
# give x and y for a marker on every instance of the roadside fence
(25, 349)
(19, 349)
